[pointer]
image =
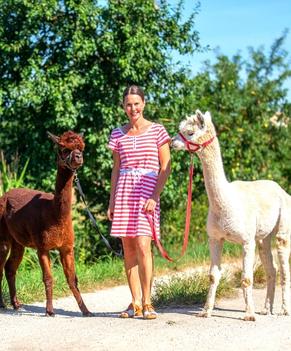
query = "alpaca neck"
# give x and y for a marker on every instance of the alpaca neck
(63, 192)
(214, 177)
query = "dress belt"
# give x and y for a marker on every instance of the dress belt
(139, 172)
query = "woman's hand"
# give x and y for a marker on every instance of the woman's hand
(150, 205)
(110, 213)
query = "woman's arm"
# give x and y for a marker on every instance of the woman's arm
(165, 169)
(114, 179)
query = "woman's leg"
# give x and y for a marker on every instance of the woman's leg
(131, 269)
(145, 266)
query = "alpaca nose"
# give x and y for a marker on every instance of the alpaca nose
(78, 156)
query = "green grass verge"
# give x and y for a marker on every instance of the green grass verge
(106, 272)
(189, 290)
(30, 288)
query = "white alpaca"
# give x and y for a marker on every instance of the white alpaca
(242, 212)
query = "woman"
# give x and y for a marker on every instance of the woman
(141, 157)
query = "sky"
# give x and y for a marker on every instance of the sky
(235, 25)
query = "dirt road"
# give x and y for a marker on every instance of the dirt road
(175, 329)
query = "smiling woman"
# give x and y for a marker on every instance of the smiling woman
(141, 167)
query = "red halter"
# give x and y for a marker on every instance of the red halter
(194, 147)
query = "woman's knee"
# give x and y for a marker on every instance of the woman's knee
(143, 246)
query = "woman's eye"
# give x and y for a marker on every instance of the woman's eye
(190, 133)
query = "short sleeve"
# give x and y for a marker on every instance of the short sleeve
(113, 141)
(163, 136)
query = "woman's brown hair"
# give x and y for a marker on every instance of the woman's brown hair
(134, 90)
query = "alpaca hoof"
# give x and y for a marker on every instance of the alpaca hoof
(250, 318)
(88, 314)
(284, 312)
(16, 305)
(204, 314)
(265, 312)
(49, 314)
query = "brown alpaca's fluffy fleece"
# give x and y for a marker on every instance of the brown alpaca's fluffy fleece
(71, 141)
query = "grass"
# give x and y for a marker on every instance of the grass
(189, 290)
(178, 290)
(106, 272)
(30, 288)
(10, 177)
(260, 278)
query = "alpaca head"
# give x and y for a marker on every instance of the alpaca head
(70, 149)
(196, 128)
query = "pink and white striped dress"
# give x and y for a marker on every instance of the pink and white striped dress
(139, 168)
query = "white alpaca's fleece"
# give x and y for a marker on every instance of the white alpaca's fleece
(244, 212)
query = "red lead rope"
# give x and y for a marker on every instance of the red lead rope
(187, 220)
(191, 147)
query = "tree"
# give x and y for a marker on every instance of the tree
(246, 109)
(252, 114)
(64, 65)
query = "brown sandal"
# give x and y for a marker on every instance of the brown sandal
(132, 311)
(149, 312)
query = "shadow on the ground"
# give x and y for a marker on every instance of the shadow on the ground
(39, 311)
(195, 311)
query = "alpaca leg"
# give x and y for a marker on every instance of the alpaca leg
(247, 279)
(68, 262)
(45, 263)
(265, 252)
(4, 249)
(215, 247)
(283, 248)
(11, 267)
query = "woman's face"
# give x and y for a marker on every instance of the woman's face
(133, 106)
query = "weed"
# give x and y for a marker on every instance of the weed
(185, 290)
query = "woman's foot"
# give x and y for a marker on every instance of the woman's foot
(149, 312)
(132, 310)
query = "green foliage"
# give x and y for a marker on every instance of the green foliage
(252, 114)
(64, 65)
(188, 290)
(106, 272)
(9, 175)
(173, 221)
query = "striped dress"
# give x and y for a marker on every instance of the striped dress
(139, 168)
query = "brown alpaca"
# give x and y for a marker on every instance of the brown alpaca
(31, 218)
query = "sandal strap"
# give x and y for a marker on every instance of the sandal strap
(148, 307)
(137, 310)
(131, 311)
(149, 311)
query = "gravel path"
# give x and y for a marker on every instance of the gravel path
(175, 329)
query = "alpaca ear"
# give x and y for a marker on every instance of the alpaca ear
(200, 119)
(207, 116)
(53, 137)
